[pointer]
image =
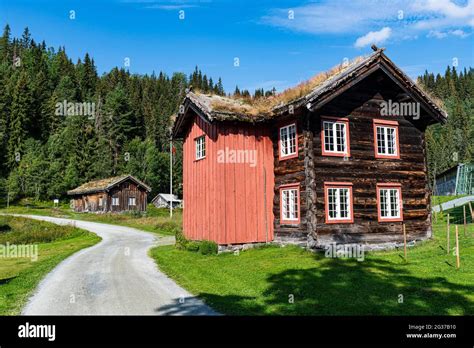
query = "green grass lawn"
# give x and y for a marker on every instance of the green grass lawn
(435, 200)
(155, 220)
(20, 276)
(264, 281)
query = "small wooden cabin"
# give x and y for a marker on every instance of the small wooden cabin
(165, 200)
(116, 194)
(340, 159)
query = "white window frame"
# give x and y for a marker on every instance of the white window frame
(385, 203)
(334, 191)
(290, 204)
(385, 141)
(332, 127)
(200, 143)
(288, 140)
(115, 201)
(134, 202)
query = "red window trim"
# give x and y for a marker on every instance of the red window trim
(389, 123)
(348, 137)
(389, 186)
(280, 126)
(286, 187)
(335, 184)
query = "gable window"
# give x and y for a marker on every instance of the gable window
(131, 201)
(386, 140)
(338, 199)
(115, 201)
(389, 201)
(335, 137)
(288, 141)
(200, 147)
(289, 204)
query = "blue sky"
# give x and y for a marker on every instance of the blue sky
(278, 43)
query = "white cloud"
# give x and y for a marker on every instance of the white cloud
(437, 34)
(459, 32)
(441, 35)
(406, 18)
(373, 37)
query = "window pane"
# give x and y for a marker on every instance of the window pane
(288, 141)
(332, 203)
(391, 141)
(380, 140)
(289, 204)
(328, 136)
(344, 203)
(340, 137)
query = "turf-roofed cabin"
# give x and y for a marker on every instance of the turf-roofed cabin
(116, 194)
(329, 161)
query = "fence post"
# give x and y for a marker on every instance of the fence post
(404, 241)
(464, 209)
(457, 248)
(472, 212)
(447, 237)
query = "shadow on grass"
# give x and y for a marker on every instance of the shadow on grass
(345, 287)
(456, 214)
(6, 280)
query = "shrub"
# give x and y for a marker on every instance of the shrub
(135, 214)
(181, 241)
(193, 246)
(169, 227)
(207, 247)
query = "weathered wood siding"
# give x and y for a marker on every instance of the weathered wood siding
(128, 189)
(360, 106)
(311, 169)
(229, 203)
(290, 171)
(124, 191)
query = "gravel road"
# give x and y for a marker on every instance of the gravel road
(114, 277)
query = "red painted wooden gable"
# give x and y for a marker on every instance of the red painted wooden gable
(225, 201)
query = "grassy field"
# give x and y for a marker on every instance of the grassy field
(435, 200)
(20, 276)
(155, 220)
(292, 281)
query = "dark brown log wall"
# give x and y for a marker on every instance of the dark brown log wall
(90, 202)
(360, 105)
(290, 171)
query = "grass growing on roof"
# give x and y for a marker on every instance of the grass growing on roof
(265, 105)
(264, 281)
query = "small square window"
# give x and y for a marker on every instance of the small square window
(335, 137)
(289, 204)
(389, 202)
(338, 197)
(115, 201)
(386, 140)
(288, 141)
(200, 147)
(132, 201)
